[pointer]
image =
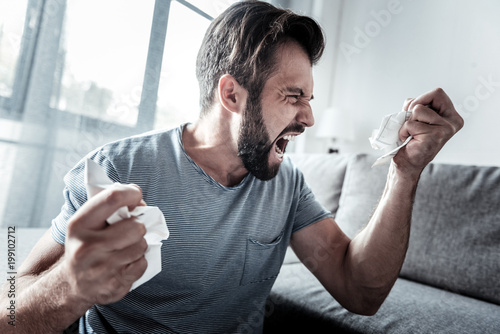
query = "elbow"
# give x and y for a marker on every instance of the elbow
(367, 299)
(367, 304)
(366, 308)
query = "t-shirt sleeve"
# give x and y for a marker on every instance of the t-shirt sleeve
(75, 193)
(309, 210)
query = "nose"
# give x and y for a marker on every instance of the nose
(305, 116)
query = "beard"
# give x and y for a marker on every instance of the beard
(254, 143)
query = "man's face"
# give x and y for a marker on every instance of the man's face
(282, 113)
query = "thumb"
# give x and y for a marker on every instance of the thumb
(93, 214)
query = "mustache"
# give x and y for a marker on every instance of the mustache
(293, 128)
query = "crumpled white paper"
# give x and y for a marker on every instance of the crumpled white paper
(386, 137)
(96, 180)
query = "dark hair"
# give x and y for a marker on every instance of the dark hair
(243, 41)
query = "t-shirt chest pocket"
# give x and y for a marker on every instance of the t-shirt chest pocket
(263, 260)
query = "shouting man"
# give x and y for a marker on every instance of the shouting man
(231, 200)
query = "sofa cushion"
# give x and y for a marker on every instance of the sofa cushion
(455, 233)
(324, 173)
(298, 303)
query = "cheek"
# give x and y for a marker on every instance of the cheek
(276, 127)
(278, 120)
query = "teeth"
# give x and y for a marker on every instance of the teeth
(279, 153)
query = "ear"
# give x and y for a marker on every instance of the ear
(232, 96)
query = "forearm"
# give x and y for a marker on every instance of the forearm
(44, 304)
(375, 256)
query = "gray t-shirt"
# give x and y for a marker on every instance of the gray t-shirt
(226, 244)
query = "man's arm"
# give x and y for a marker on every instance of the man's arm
(360, 272)
(97, 265)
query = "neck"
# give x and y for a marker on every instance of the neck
(212, 144)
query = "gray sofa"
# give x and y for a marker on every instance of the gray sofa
(450, 281)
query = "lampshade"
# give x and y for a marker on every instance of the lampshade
(337, 124)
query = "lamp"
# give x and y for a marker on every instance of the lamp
(337, 126)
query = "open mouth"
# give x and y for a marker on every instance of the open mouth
(281, 143)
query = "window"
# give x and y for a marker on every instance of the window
(12, 16)
(103, 58)
(77, 74)
(177, 99)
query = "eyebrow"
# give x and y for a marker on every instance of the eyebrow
(298, 91)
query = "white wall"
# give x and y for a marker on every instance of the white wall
(391, 50)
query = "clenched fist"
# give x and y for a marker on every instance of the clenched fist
(101, 260)
(433, 122)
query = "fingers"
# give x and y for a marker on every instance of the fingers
(432, 123)
(130, 254)
(104, 264)
(141, 202)
(440, 102)
(104, 260)
(406, 104)
(436, 99)
(93, 214)
(425, 121)
(415, 129)
(117, 281)
(121, 235)
(416, 124)
(425, 115)
(134, 270)
(434, 108)
(113, 284)
(119, 244)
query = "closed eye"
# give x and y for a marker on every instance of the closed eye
(293, 98)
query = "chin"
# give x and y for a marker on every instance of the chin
(271, 174)
(263, 172)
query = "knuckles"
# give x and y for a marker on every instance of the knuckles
(439, 91)
(417, 109)
(460, 122)
(144, 245)
(142, 229)
(131, 231)
(446, 132)
(111, 291)
(142, 265)
(133, 271)
(83, 252)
